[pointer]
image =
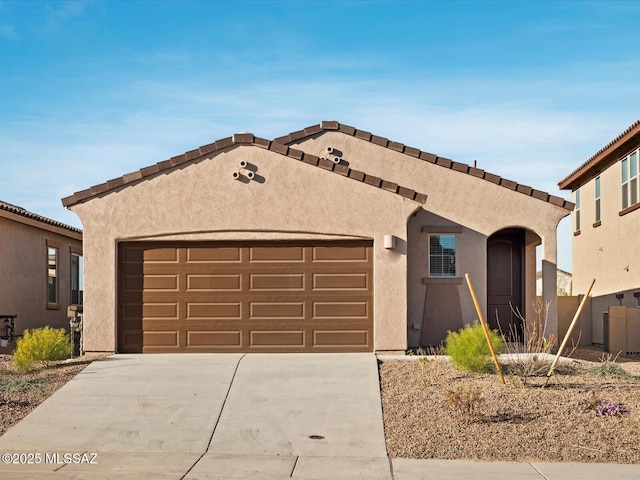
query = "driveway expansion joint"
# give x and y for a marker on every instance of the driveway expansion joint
(235, 371)
(537, 470)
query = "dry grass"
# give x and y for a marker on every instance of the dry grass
(516, 422)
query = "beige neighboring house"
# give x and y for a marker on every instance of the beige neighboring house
(40, 269)
(606, 226)
(564, 283)
(326, 239)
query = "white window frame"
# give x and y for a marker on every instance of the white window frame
(597, 194)
(455, 255)
(629, 178)
(53, 275)
(577, 211)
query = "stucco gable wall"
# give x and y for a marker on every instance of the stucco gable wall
(23, 283)
(458, 197)
(201, 201)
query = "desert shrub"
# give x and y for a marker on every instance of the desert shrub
(610, 369)
(530, 354)
(19, 385)
(465, 402)
(41, 347)
(469, 350)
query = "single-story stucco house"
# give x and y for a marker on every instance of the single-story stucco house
(327, 239)
(40, 269)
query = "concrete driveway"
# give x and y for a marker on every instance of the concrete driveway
(206, 416)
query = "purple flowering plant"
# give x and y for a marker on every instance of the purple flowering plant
(609, 408)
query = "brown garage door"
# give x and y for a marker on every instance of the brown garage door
(262, 297)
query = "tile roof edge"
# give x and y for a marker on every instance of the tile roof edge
(594, 159)
(231, 142)
(333, 126)
(16, 210)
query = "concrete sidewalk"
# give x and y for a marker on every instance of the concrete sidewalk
(228, 416)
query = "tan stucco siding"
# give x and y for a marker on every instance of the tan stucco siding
(23, 282)
(605, 252)
(610, 252)
(478, 207)
(287, 200)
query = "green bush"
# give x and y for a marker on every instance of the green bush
(469, 350)
(41, 347)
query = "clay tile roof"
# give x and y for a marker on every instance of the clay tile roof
(604, 157)
(248, 139)
(8, 207)
(463, 168)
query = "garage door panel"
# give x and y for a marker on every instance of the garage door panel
(160, 310)
(341, 338)
(213, 255)
(281, 338)
(132, 283)
(276, 281)
(214, 310)
(340, 281)
(265, 296)
(340, 309)
(276, 255)
(214, 283)
(161, 283)
(343, 254)
(161, 255)
(204, 338)
(160, 338)
(277, 310)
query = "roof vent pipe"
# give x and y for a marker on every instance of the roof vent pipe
(334, 151)
(250, 175)
(236, 175)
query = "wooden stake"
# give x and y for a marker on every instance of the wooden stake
(568, 334)
(485, 328)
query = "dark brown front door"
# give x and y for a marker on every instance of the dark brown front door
(246, 297)
(505, 282)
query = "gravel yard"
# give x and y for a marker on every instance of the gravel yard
(512, 422)
(20, 393)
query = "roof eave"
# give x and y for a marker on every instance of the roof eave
(611, 151)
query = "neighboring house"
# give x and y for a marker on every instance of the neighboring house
(327, 239)
(564, 283)
(40, 269)
(606, 226)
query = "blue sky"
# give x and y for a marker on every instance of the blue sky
(92, 90)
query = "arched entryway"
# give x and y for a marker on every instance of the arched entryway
(506, 282)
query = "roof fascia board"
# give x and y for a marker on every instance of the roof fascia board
(603, 158)
(41, 225)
